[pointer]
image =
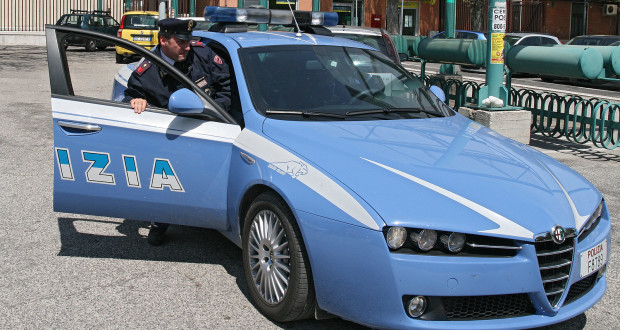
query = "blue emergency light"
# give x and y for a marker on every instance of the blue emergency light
(269, 16)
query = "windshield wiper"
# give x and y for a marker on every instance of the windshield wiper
(305, 113)
(393, 110)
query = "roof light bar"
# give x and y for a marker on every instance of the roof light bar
(268, 16)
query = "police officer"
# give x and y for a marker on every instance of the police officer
(150, 85)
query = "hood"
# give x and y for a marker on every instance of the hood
(444, 173)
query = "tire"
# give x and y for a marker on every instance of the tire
(269, 225)
(119, 58)
(90, 45)
(546, 79)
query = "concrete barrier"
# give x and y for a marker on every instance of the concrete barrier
(32, 38)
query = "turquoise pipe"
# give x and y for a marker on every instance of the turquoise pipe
(570, 62)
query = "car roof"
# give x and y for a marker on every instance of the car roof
(527, 34)
(280, 38)
(195, 18)
(597, 36)
(355, 30)
(136, 12)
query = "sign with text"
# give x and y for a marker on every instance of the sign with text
(498, 17)
(497, 48)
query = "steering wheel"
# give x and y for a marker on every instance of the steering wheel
(359, 96)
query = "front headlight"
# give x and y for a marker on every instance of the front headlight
(425, 239)
(592, 222)
(396, 237)
(453, 242)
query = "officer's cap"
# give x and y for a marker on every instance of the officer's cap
(181, 29)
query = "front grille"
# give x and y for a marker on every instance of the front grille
(580, 288)
(555, 263)
(487, 307)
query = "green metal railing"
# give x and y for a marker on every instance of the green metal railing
(579, 120)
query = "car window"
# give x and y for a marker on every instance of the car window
(609, 41)
(511, 39)
(547, 41)
(331, 80)
(72, 20)
(202, 25)
(96, 21)
(109, 82)
(109, 21)
(469, 35)
(141, 22)
(530, 41)
(584, 42)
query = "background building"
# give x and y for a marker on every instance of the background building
(562, 18)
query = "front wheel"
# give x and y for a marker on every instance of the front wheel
(275, 263)
(119, 58)
(90, 45)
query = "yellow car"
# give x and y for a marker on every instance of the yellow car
(139, 27)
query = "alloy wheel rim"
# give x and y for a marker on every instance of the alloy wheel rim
(269, 256)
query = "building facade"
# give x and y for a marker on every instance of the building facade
(562, 18)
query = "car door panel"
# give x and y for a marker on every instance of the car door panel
(153, 166)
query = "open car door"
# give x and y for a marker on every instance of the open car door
(156, 166)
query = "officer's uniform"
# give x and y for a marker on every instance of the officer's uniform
(202, 66)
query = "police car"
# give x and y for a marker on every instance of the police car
(350, 187)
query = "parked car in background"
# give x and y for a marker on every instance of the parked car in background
(96, 20)
(531, 39)
(594, 40)
(377, 38)
(139, 27)
(462, 34)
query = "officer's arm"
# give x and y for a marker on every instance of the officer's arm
(134, 94)
(220, 74)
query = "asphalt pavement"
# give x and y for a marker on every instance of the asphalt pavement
(73, 271)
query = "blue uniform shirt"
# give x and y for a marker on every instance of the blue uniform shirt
(202, 66)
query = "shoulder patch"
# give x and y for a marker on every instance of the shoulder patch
(218, 60)
(196, 43)
(145, 65)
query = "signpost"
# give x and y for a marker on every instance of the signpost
(450, 13)
(495, 55)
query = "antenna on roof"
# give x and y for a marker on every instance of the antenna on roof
(294, 19)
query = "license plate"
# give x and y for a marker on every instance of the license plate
(142, 38)
(593, 259)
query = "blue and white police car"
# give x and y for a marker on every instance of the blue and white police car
(351, 189)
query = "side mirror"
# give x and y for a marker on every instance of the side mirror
(185, 101)
(439, 93)
(403, 57)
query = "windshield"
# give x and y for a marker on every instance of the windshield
(334, 83)
(592, 41)
(376, 42)
(141, 22)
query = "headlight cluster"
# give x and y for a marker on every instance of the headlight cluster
(592, 222)
(424, 239)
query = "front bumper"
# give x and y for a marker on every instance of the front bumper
(357, 278)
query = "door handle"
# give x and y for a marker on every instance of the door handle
(75, 127)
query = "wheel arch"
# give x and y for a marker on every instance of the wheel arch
(246, 201)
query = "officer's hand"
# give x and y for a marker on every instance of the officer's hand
(138, 105)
